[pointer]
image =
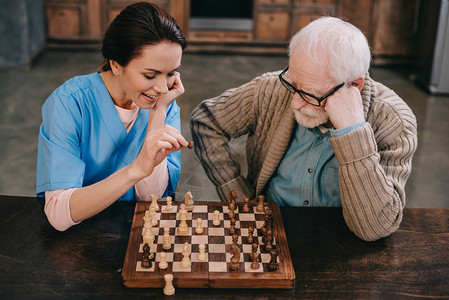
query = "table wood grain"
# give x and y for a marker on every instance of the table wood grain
(38, 262)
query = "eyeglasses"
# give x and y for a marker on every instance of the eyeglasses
(311, 99)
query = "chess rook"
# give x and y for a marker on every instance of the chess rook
(154, 204)
(169, 289)
(163, 261)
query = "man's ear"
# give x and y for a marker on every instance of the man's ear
(115, 67)
(358, 83)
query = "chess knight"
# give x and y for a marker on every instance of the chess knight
(188, 199)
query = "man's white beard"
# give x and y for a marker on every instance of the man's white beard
(311, 117)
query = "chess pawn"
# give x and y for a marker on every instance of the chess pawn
(169, 206)
(260, 205)
(185, 247)
(163, 261)
(166, 244)
(246, 205)
(202, 256)
(231, 213)
(186, 262)
(199, 226)
(183, 228)
(216, 221)
(232, 196)
(182, 209)
(250, 234)
(169, 289)
(154, 204)
(254, 257)
(232, 228)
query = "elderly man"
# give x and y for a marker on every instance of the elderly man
(320, 133)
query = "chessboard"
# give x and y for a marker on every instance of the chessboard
(214, 272)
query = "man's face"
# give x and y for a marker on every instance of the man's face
(314, 79)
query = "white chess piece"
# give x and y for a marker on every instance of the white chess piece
(153, 216)
(169, 206)
(169, 289)
(186, 262)
(183, 228)
(199, 226)
(154, 204)
(146, 216)
(147, 225)
(188, 199)
(186, 247)
(182, 209)
(202, 256)
(148, 237)
(166, 239)
(216, 221)
(163, 261)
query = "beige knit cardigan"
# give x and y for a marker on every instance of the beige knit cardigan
(375, 160)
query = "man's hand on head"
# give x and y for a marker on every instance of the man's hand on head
(345, 107)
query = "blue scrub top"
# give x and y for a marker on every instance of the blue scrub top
(82, 139)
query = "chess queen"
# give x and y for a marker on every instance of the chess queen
(114, 134)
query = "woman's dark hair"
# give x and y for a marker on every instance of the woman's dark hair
(136, 26)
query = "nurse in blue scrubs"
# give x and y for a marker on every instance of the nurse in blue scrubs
(84, 146)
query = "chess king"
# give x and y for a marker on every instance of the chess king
(321, 132)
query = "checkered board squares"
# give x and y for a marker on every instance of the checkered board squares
(214, 271)
(217, 239)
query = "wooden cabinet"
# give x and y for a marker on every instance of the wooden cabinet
(86, 20)
(272, 26)
(278, 20)
(66, 20)
(389, 25)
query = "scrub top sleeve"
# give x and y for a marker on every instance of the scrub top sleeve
(173, 159)
(59, 163)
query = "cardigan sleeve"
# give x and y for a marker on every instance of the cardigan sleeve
(374, 166)
(213, 123)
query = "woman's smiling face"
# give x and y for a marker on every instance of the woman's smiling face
(149, 75)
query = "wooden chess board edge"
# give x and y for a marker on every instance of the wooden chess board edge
(129, 269)
(260, 283)
(160, 283)
(284, 278)
(284, 251)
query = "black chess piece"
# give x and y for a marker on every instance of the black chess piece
(232, 228)
(146, 261)
(250, 235)
(273, 265)
(254, 257)
(232, 196)
(268, 240)
(234, 264)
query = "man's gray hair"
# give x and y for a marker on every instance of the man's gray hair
(346, 50)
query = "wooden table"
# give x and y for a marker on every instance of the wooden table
(38, 262)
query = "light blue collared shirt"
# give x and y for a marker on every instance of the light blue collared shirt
(308, 173)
